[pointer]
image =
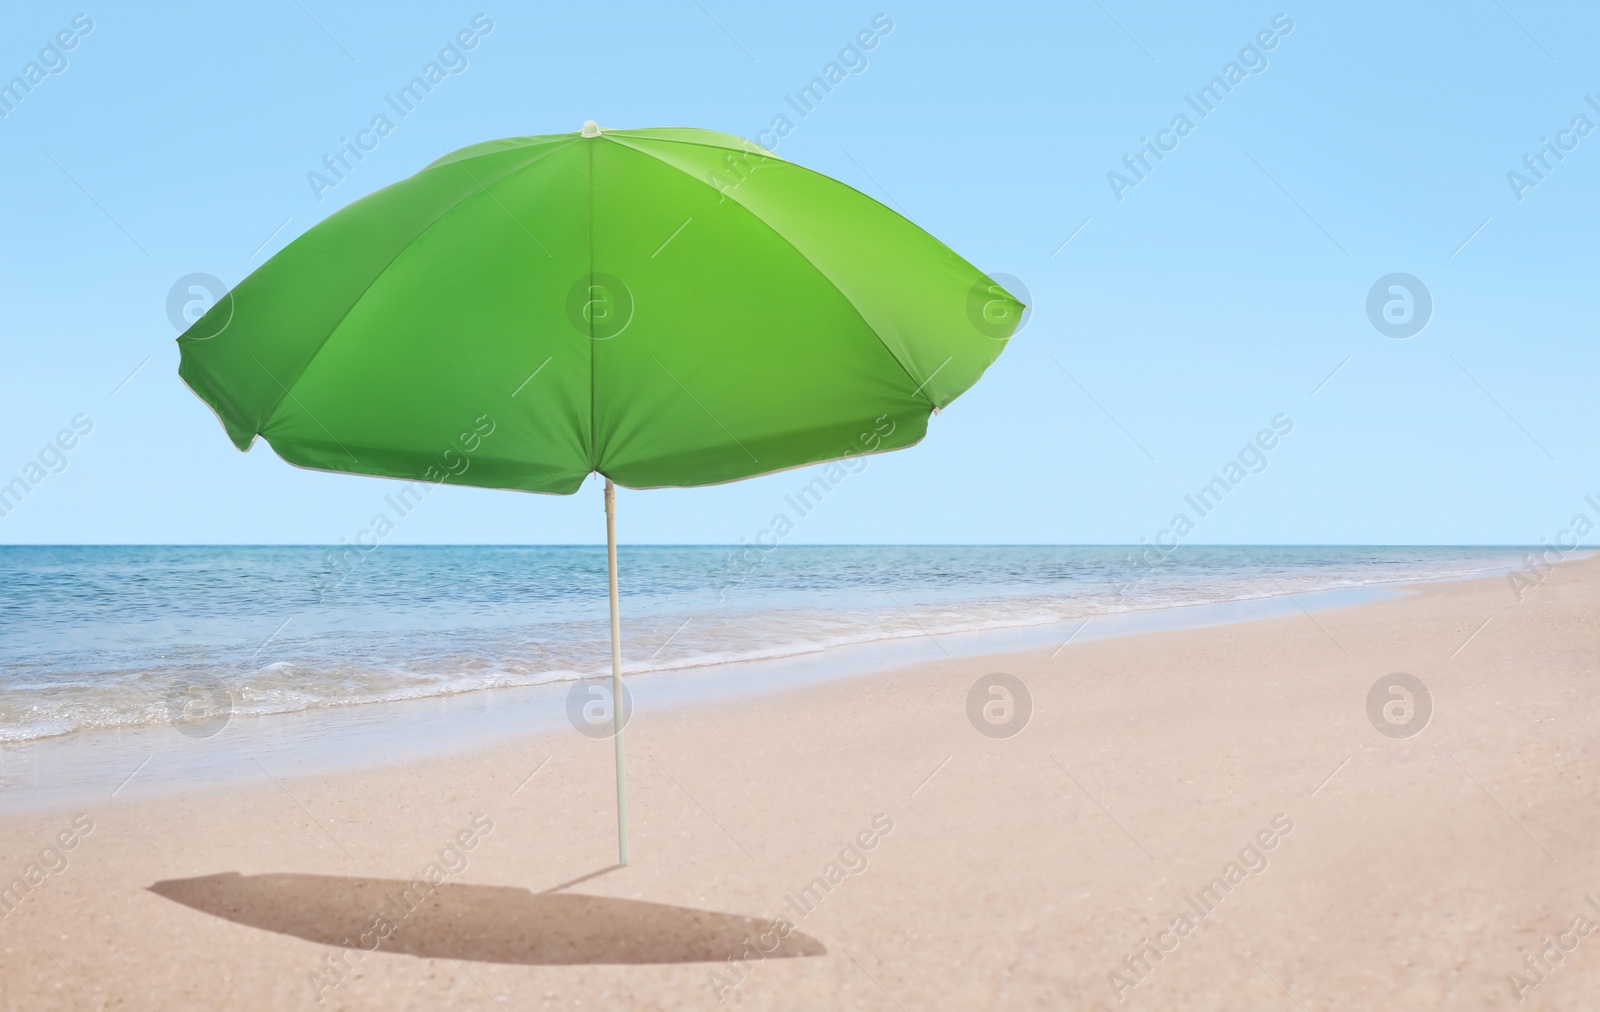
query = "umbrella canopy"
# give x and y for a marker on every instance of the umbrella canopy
(668, 307)
(665, 307)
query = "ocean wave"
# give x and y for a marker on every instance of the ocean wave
(118, 658)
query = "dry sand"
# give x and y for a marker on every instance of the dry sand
(1018, 872)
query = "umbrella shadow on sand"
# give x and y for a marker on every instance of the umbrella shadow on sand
(490, 924)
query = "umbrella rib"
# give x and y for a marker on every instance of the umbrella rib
(290, 394)
(593, 435)
(707, 410)
(552, 143)
(750, 148)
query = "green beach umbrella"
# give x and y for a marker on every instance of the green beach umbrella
(665, 308)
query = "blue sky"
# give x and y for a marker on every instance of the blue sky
(1219, 292)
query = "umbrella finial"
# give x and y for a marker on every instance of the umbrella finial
(591, 128)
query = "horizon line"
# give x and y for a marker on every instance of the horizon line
(839, 544)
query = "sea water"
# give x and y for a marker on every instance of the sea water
(102, 637)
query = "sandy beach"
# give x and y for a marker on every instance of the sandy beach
(1201, 819)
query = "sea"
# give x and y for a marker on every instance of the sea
(104, 637)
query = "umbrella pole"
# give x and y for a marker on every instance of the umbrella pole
(616, 674)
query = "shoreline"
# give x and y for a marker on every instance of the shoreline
(109, 659)
(78, 765)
